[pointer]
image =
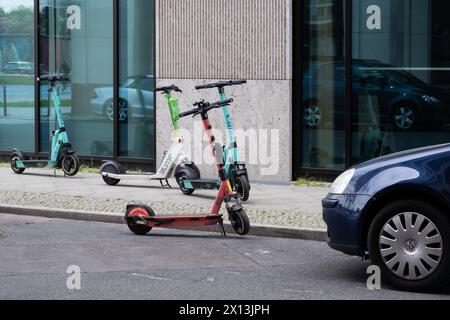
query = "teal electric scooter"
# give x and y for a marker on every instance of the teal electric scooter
(236, 171)
(62, 155)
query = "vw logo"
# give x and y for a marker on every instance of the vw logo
(411, 245)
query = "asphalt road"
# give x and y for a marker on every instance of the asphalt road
(36, 252)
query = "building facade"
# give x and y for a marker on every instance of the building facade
(332, 83)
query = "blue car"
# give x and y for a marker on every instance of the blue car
(396, 211)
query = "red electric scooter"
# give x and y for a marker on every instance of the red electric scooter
(141, 219)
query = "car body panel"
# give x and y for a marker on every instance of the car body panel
(140, 101)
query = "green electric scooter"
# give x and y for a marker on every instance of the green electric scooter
(236, 171)
(62, 155)
(113, 172)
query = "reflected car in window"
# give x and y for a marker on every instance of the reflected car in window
(135, 100)
(382, 95)
(19, 67)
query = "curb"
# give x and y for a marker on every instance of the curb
(107, 217)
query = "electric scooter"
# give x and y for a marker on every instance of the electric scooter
(113, 172)
(141, 219)
(236, 171)
(62, 155)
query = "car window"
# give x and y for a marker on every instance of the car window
(146, 84)
(404, 77)
(331, 70)
(371, 75)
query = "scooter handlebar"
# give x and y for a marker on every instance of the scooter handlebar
(204, 107)
(187, 113)
(53, 77)
(221, 104)
(169, 89)
(221, 84)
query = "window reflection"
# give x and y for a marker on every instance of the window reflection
(86, 56)
(324, 83)
(17, 75)
(401, 79)
(136, 97)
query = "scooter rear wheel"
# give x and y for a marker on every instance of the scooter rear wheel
(14, 158)
(109, 168)
(143, 212)
(240, 222)
(180, 179)
(71, 165)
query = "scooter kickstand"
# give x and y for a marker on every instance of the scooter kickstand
(222, 229)
(166, 185)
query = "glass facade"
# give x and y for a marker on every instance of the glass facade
(136, 69)
(17, 65)
(371, 78)
(85, 54)
(323, 84)
(375, 79)
(106, 48)
(401, 76)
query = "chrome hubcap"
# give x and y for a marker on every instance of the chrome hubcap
(405, 118)
(312, 116)
(411, 246)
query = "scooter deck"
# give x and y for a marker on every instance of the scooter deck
(32, 163)
(205, 184)
(177, 221)
(137, 176)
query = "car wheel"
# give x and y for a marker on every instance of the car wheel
(410, 241)
(405, 117)
(123, 110)
(312, 116)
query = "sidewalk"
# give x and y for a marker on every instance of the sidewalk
(282, 206)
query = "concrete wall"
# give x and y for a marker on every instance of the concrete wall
(209, 40)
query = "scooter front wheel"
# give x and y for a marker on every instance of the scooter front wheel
(71, 165)
(141, 212)
(242, 186)
(240, 222)
(14, 158)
